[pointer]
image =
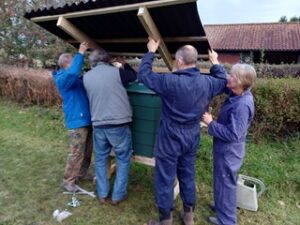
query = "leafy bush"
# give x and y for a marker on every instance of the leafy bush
(277, 71)
(277, 100)
(268, 70)
(277, 107)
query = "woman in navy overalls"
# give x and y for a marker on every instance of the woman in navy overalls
(229, 133)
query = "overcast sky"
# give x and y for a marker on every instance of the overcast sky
(246, 11)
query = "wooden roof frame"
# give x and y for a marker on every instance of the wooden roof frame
(143, 15)
(113, 9)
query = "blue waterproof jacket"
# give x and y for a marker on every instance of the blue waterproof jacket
(70, 86)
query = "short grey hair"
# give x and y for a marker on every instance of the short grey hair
(188, 54)
(245, 74)
(62, 59)
(98, 55)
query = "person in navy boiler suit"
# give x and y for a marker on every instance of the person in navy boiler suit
(186, 95)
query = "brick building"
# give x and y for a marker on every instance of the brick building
(276, 42)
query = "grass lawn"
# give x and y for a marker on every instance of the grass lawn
(33, 150)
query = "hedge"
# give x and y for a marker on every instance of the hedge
(277, 101)
(268, 70)
(28, 86)
(277, 108)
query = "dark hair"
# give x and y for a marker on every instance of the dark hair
(98, 55)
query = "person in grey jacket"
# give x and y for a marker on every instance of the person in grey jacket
(111, 114)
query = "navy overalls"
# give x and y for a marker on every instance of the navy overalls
(185, 95)
(229, 133)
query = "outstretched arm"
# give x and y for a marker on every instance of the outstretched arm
(154, 81)
(71, 74)
(218, 72)
(127, 73)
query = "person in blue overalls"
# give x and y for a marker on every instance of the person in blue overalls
(185, 95)
(229, 133)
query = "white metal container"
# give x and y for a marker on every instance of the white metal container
(247, 196)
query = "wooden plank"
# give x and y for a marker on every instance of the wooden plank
(144, 160)
(153, 32)
(113, 9)
(75, 33)
(110, 167)
(137, 54)
(176, 188)
(144, 40)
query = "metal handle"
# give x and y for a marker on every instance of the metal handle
(257, 181)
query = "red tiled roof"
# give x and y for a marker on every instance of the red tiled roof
(267, 36)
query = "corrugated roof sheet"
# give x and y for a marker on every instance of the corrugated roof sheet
(267, 36)
(180, 20)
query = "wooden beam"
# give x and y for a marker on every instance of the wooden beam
(144, 160)
(113, 9)
(137, 54)
(144, 40)
(74, 32)
(153, 32)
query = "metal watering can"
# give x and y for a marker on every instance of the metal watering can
(247, 196)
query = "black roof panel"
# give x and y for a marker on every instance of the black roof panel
(181, 20)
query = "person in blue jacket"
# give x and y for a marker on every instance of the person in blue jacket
(229, 133)
(68, 81)
(185, 95)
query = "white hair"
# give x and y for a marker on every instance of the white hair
(62, 59)
(245, 74)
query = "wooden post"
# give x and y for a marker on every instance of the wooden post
(153, 32)
(74, 32)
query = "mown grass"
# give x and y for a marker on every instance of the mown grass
(33, 150)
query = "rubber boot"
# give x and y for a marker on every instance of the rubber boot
(187, 215)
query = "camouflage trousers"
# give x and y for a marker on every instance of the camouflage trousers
(79, 158)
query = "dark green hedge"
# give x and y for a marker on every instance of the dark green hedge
(268, 70)
(277, 108)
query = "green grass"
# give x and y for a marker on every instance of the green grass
(33, 150)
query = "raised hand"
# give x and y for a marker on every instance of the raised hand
(83, 47)
(153, 45)
(213, 57)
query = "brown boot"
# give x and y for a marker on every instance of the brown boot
(187, 215)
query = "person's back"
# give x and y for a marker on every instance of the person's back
(188, 94)
(109, 104)
(185, 96)
(111, 115)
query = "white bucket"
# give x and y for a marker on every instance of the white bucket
(247, 196)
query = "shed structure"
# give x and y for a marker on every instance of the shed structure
(123, 26)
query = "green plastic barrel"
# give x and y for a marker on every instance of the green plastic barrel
(146, 107)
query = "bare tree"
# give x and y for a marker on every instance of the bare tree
(20, 38)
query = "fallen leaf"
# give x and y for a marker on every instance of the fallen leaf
(281, 203)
